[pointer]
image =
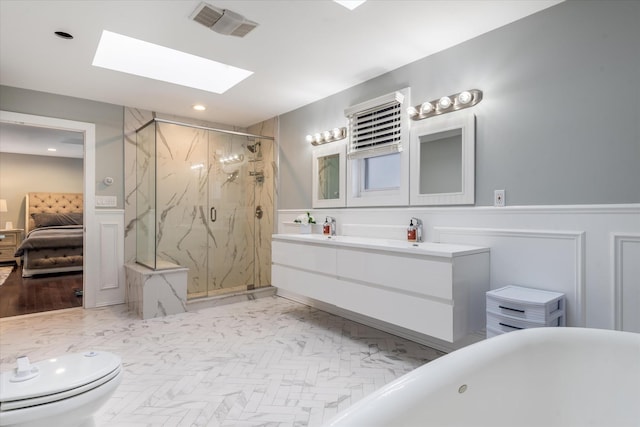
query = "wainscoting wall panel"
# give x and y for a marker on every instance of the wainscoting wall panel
(625, 265)
(540, 259)
(110, 288)
(589, 252)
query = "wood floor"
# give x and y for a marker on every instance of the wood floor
(39, 293)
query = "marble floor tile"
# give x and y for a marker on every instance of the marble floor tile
(263, 362)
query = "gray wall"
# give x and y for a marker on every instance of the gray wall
(560, 119)
(21, 174)
(108, 119)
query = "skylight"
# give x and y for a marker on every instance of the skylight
(350, 4)
(128, 55)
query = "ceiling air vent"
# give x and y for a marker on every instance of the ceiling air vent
(223, 21)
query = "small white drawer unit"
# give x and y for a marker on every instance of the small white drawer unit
(514, 307)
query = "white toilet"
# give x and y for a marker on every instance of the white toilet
(62, 392)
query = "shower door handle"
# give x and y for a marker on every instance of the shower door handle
(213, 214)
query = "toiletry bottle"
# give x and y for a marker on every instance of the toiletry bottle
(411, 232)
(326, 227)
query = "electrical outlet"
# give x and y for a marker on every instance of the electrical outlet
(499, 198)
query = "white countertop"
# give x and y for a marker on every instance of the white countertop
(447, 250)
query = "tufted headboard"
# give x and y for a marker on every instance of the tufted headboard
(51, 203)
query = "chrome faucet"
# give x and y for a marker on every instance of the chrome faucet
(332, 224)
(418, 223)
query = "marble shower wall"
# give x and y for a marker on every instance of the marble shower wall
(265, 196)
(224, 255)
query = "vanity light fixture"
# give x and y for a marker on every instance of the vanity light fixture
(232, 159)
(446, 104)
(335, 134)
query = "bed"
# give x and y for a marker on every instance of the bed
(54, 233)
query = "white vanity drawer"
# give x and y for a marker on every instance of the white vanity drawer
(509, 324)
(430, 277)
(321, 259)
(525, 303)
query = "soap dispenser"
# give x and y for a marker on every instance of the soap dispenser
(412, 234)
(326, 227)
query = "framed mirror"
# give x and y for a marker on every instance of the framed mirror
(442, 170)
(328, 169)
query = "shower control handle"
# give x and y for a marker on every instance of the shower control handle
(213, 214)
(259, 212)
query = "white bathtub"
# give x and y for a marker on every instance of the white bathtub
(534, 377)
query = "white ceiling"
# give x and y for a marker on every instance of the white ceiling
(302, 51)
(21, 139)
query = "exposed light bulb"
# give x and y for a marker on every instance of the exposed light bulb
(444, 103)
(465, 97)
(337, 133)
(317, 137)
(326, 135)
(412, 111)
(426, 108)
(309, 138)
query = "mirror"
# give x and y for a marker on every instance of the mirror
(443, 160)
(328, 175)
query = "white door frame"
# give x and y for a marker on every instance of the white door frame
(91, 250)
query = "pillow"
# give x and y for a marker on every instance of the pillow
(46, 219)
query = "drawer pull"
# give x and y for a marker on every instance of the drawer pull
(508, 326)
(510, 309)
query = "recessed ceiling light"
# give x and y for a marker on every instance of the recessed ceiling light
(199, 107)
(128, 55)
(51, 149)
(350, 4)
(63, 35)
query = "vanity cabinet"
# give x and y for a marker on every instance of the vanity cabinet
(430, 288)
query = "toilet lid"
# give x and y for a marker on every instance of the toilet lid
(59, 378)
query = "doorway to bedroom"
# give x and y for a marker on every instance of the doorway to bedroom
(29, 163)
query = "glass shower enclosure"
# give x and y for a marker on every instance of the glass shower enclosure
(204, 200)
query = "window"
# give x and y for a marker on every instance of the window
(378, 168)
(382, 172)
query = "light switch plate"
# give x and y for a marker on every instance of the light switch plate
(106, 201)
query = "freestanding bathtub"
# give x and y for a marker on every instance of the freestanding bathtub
(534, 377)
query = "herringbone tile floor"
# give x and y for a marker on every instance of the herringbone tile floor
(266, 362)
